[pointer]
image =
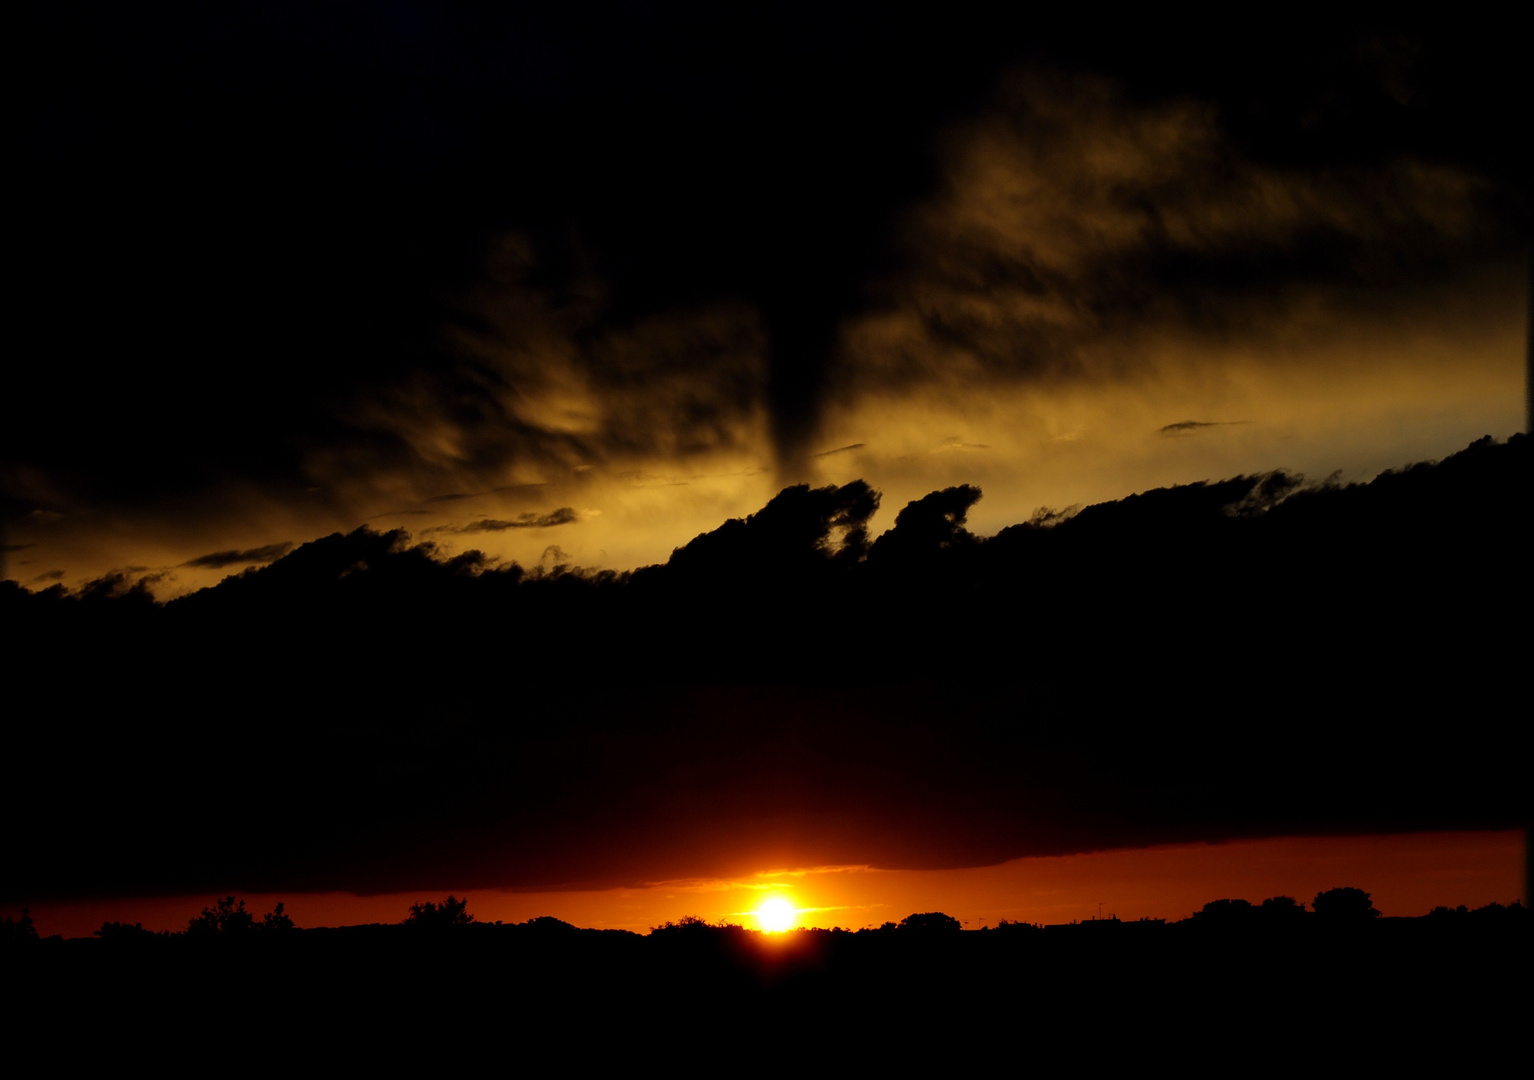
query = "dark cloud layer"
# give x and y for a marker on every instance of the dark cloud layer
(1247, 657)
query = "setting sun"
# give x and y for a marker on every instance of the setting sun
(776, 915)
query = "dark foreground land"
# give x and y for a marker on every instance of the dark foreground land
(1230, 993)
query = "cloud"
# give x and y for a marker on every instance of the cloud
(1188, 427)
(771, 698)
(926, 528)
(541, 382)
(248, 557)
(563, 516)
(1071, 222)
(134, 584)
(1073, 219)
(801, 526)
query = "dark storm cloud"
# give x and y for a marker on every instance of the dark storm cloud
(927, 527)
(133, 583)
(249, 557)
(536, 386)
(1081, 224)
(798, 530)
(772, 697)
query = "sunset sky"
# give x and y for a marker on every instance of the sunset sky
(572, 288)
(597, 281)
(1405, 875)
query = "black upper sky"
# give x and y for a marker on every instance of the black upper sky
(229, 221)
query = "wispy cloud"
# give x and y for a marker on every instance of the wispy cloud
(1074, 220)
(248, 557)
(563, 516)
(1188, 427)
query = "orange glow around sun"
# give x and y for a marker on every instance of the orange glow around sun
(776, 915)
(1406, 875)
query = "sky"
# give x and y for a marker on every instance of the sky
(572, 288)
(576, 287)
(1405, 875)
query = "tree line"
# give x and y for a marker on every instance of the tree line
(228, 918)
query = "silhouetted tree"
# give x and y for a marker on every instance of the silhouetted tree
(451, 912)
(276, 919)
(691, 926)
(228, 918)
(549, 925)
(1224, 913)
(929, 922)
(225, 918)
(14, 931)
(1344, 905)
(1281, 909)
(1016, 926)
(1509, 913)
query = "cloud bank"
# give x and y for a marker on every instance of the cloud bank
(1200, 662)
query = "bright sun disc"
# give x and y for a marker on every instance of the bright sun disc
(776, 915)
